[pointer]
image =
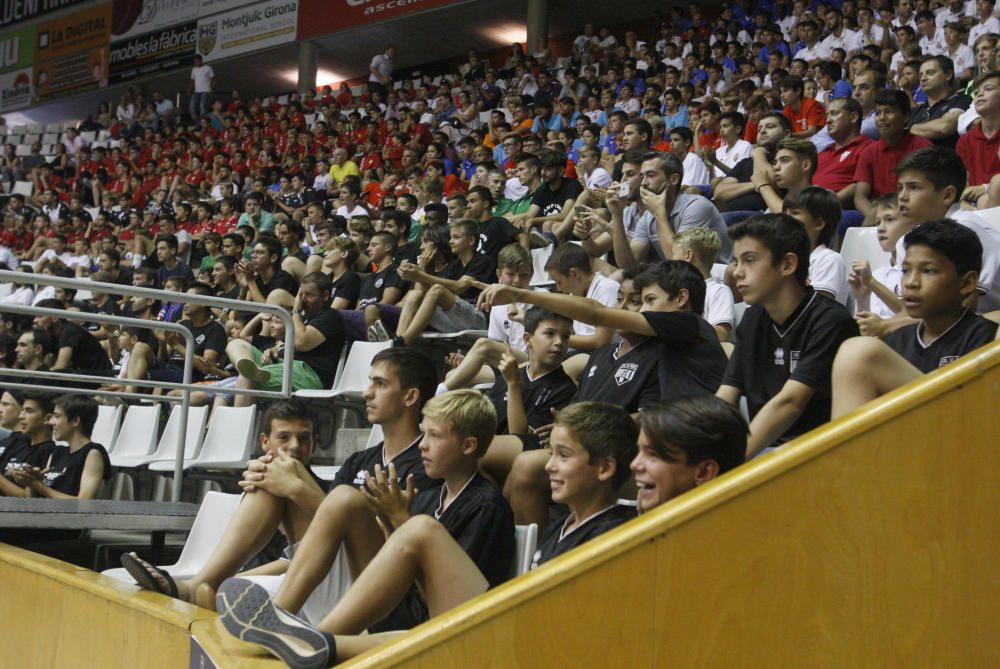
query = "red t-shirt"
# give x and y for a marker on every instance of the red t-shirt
(810, 113)
(877, 162)
(837, 166)
(981, 154)
(224, 225)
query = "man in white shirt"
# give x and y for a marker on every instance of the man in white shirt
(380, 72)
(904, 15)
(812, 52)
(695, 171)
(956, 49)
(202, 77)
(585, 45)
(953, 13)
(840, 37)
(985, 23)
(931, 39)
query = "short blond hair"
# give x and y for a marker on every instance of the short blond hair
(703, 242)
(467, 413)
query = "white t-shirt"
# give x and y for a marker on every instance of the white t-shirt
(828, 273)
(358, 210)
(695, 172)
(51, 255)
(202, 77)
(22, 296)
(810, 54)
(719, 309)
(892, 278)
(934, 46)
(383, 65)
(849, 41)
(603, 290)
(963, 59)
(730, 155)
(992, 25)
(503, 329)
(598, 178)
(9, 260)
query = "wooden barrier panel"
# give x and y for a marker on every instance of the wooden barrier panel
(869, 542)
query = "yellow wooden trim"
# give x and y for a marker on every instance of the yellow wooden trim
(618, 544)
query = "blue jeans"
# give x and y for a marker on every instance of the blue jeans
(200, 105)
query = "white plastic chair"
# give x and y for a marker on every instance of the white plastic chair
(353, 380)
(167, 446)
(50, 137)
(539, 257)
(109, 421)
(228, 442)
(137, 435)
(325, 472)
(525, 542)
(25, 188)
(862, 244)
(216, 510)
(375, 436)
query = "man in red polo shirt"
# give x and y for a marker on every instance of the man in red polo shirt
(838, 162)
(805, 114)
(876, 172)
(979, 148)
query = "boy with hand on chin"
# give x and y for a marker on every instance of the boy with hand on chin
(940, 273)
(31, 445)
(453, 541)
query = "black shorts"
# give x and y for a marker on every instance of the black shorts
(529, 441)
(410, 612)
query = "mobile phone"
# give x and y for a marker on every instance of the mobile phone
(623, 189)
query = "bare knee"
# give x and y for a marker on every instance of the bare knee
(527, 475)
(857, 355)
(413, 535)
(436, 292)
(342, 498)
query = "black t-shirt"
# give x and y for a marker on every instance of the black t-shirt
(549, 391)
(481, 268)
(967, 334)
(552, 201)
(323, 359)
(373, 286)
(347, 286)
(65, 469)
(279, 280)
(742, 172)
(406, 463)
(691, 360)
(180, 269)
(495, 234)
(480, 521)
(210, 336)
(555, 543)
(631, 381)
(409, 251)
(924, 113)
(17, 449)
(769, 354)
(233, 293)
(87, 351)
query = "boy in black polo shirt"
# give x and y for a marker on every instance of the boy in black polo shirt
(30, 446)
(380, 291)
(455, 542)
(787, 339)
(940, 273)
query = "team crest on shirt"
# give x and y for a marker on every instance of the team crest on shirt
(844, 155)
(794, 361)
(626, 372)
(379, 282)
(779, 356)
(947, 360)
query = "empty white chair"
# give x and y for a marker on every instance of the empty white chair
(539, 257)
(375, 436)
(53, 128)
(166, 449)
(228, 443)
(19, 130)
(525, 543)
(214, 514)
(22, 150)
(50, 138)
(105, 432)
(89, 136)
(719, 271)
(862, 244)
(104, 135)
(137, 435)
(325, 472)
(354, 378)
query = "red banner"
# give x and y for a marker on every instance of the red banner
(322, 17)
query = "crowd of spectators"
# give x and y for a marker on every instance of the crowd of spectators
(636, 165)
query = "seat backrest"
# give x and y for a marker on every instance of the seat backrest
(214, 514)
(230, 435)
(138, 433)
(105, 432)
(539, 257)
(195, 434)
(525, 542)
(862, 244)
(25, 188)
(375, 436)
(359, 362)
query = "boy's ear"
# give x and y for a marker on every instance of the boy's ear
(410, 397)
(789, 264)
(967, 284)
(606, 468)
(706, 471)
(683, 297)
(469, 446)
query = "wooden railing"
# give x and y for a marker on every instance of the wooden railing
(871, 542)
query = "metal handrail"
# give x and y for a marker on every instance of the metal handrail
(185, 386)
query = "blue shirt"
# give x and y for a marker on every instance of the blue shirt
(677, 120)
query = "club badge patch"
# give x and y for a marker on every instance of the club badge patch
(626, 372)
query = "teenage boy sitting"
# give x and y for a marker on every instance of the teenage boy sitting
(818, 209)
(700, 247)
(381, 290)
(877, 292)
(940, 273)
(787, 339)
(446, 303)
(283, 494)
(571, 268)
(261, 278)
(77, 470)
(453, 541)
(30, 446)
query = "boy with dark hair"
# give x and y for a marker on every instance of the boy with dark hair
(30, 446)
(77, 470)
(550, 203)
(788, 337)
(380, 291)
(794, 164)
(818, 209)
(571, 268)
(261, 278)
(76, 348)
(170, 264)
(940, 273)
(445, 302)
(805, 114)
(494, 232)
(454, 542)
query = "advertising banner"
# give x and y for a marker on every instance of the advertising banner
(251, 28)
(15, 89)
(322, 17)
(71, 53)
(132, 18)
(155, 52)
(15, 11)
(17, 51)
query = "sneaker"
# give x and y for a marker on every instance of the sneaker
(247, 612)
(250, 370)
(377, 332)
(538, 239)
